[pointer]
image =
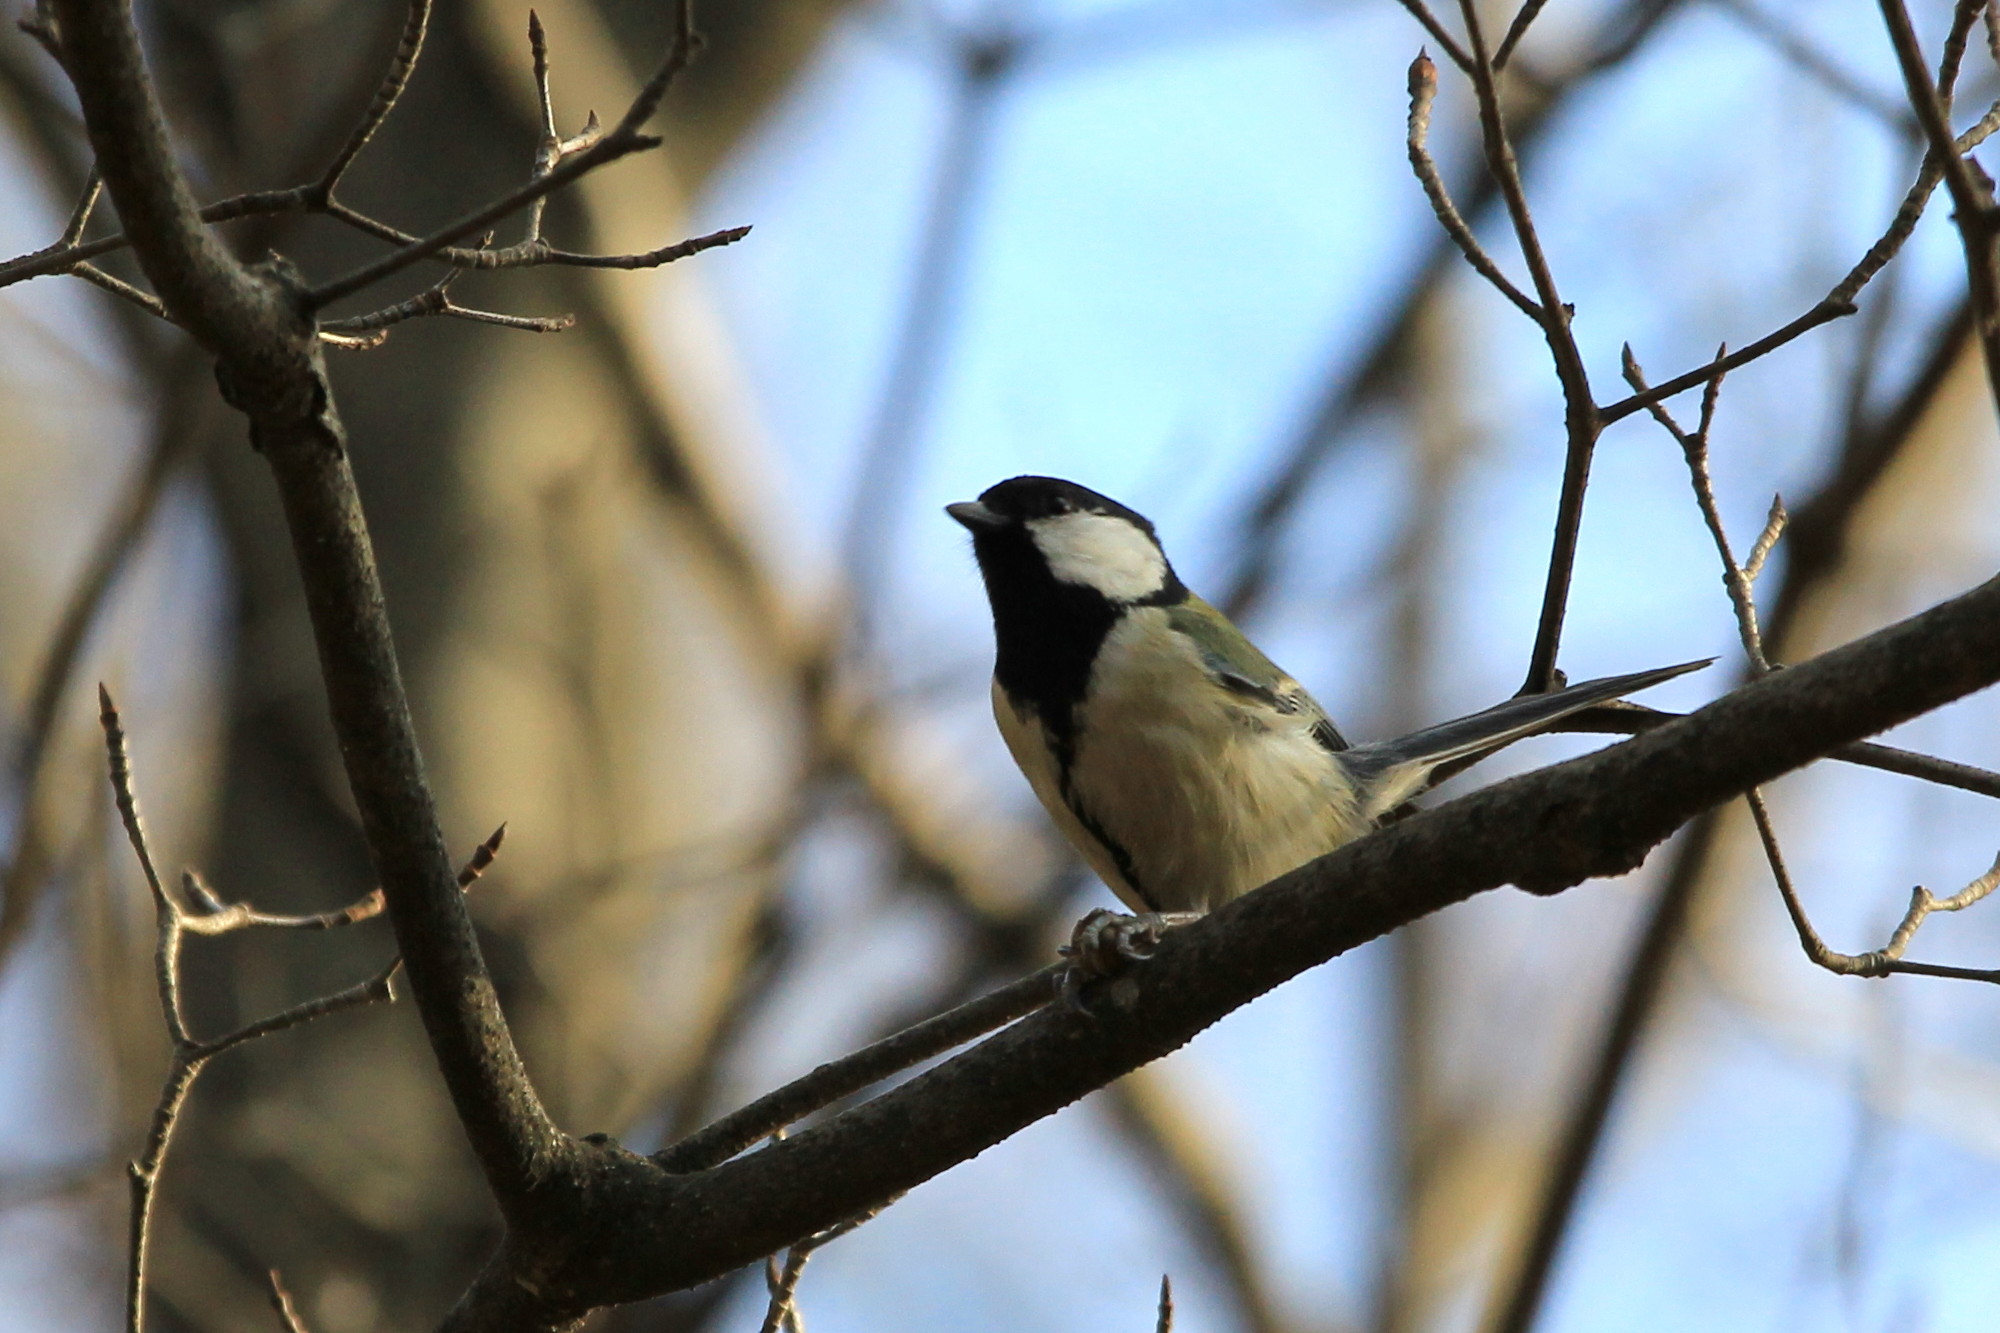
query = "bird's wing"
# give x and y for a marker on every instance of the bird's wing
(1395, 770)
(1237, 665)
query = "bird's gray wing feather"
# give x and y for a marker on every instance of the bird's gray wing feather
(1393, 771)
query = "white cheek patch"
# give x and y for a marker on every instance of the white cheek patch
(1102, 552)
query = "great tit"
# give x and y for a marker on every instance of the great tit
(1182, 764)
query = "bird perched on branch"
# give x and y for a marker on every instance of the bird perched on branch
(1178, 759)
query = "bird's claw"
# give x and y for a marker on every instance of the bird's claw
(1106, 943)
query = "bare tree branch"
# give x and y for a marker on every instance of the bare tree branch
(435, 300)
(1887, 960)
(71, 255)
(1592, 816)
(175, 919)
(281, 1305)
(1818, 539)
(782, 1315)
(1421, 12)
(623, 139)
(1423, 88)
(1524, 17)
(1971, 192)
(409, 46)
(842, 1078)
(1738, 579)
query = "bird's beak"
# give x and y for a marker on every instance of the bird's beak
(976, 517)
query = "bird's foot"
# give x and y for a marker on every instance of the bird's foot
(1104, 943)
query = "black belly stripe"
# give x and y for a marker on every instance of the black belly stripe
(1119, 856)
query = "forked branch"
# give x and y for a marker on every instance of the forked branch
(175, 919)
(1887, 960)
(1739, 579)
(557, 162)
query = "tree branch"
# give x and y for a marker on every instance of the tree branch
(624, 1230)
(174, 920)
(830, 1082)
(269, 366)
(1971, 192)
(1887, 960)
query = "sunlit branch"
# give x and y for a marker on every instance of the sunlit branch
(1887, 960)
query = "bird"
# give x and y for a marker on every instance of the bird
(1183, 764)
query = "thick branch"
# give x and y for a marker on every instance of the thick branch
(269, 365)
(195, 277)
(634, 1231)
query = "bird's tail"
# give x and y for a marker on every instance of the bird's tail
(1390, 772)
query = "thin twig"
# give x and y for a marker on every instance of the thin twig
(202, 912)
(1627, 719)
(850, 1074)
(1164, 1323)
(1524, 17)
(1421, 12)
(1963, 15)
(782, 1314)
(1973, 207)
(557, 162)
(375, 989)
(281, 1304)
(79, 218)
(1839, 301)
(301, 199)
(624, 139)
(1739, 580)
(1582, 422)
(123, 290)
(1423, 89)
(435, 301)
(553, 148)
(1824, 313)
(1500, 160)
(1887, 960)
(666, 254)
(409, 46)
(782, 1282)
(121, 790)
(347, 342)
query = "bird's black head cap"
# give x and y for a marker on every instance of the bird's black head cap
(1058, 588)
